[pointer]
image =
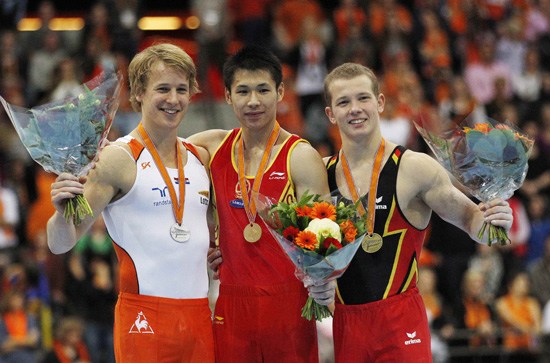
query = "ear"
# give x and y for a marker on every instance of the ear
(381, 102)
(228, 96)
(280, 92)
(328, 112)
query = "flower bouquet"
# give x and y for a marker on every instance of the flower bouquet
(319, 237)
(489, 159)
(65, 136)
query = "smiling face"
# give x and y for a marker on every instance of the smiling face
(354, 106)
(166, 96)
(254, 97)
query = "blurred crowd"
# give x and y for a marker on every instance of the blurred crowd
(436, 60)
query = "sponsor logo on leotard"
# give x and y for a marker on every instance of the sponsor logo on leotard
(279, 175)
(237, 203)
(141, 325)
(380, 206)
(412, 339)
(218, 320)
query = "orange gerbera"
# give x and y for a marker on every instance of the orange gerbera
(350, 234)
(307, 240)
(304, 211)
(323, 210)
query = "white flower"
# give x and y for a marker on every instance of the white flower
(324, 228)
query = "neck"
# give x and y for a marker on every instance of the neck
(256, 138)
(359, 151)
(163, 140)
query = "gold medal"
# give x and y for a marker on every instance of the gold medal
(252, 232)
(372, 243)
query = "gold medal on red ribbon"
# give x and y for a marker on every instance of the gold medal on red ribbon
(372, 242)
(253, 232)
(178, 231)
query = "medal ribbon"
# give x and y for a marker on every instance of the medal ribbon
(373, 185)
(177, 208)
(249, 204)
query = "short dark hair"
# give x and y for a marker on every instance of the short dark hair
(252, 58)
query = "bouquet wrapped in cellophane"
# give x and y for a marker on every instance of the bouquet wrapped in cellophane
(319, 237)
(489, 159)
(65, 136)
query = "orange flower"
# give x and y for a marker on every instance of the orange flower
(345, 225)
(307, 240)
(304, 211)
(323, 210)
(483, 127)
(350, 234)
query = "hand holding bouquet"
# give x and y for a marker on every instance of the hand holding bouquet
(65, 136)
(320, 239)
(489, 159)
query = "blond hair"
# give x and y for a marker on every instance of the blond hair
(171, 55)
(348, 71)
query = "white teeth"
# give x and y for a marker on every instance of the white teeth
(171, 111)
(353, 122)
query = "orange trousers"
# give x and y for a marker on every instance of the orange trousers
(161, 330)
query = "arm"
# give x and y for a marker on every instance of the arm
(308, 171)
(209, 140)
(427, 186)
(214, 257)
(309, 174)
(104, 182)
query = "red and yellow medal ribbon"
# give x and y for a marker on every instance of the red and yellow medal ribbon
(177, 207)
(249, 204)
(373, 185)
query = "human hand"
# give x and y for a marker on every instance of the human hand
(498, 213)
(323, 294)
(66, 186)
(214, 259)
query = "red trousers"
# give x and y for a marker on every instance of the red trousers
(263, 324)
(391, 330)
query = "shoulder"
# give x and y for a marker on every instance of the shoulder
(200, 152)
(306, 162)
(115, 166)
(304, 150)
(209, 139)
(419, 165)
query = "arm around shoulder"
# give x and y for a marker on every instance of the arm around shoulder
(308, 171)
(209, 139)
